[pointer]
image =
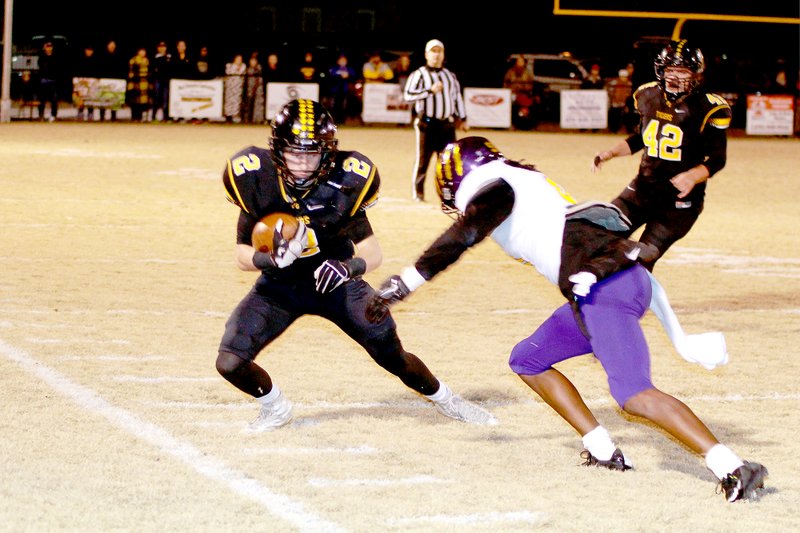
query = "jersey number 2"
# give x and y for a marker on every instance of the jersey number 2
(664, 144)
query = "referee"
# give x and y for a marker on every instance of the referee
(438, 110)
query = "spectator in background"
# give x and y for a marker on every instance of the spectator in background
(342, 78)
(234, 87)
(161, 67)
(139, 91)
(619, 94)
(87, 66)
(519, 79)
(308, 72)
(274, 70)
(203, 68)
(253, 105)
(376, 70)
(780, 82)
(402, 69)
(27, 90)
(113, 66)
(594, 80)
(51, 74)
(182, 67)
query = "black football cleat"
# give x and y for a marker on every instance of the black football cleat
(742, 483)
(617, 461)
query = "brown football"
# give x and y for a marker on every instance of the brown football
(265, 229)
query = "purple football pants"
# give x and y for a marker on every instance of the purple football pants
(611, 312)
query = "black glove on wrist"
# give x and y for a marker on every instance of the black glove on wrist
(392, 290)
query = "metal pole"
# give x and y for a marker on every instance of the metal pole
(5, 94)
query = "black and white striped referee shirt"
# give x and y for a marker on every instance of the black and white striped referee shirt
(442, 106)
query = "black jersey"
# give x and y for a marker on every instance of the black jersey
(677, 136)
(334, 210)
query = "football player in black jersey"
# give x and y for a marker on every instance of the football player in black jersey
(682, 130)
(318, 271)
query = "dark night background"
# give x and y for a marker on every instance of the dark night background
(478, 36)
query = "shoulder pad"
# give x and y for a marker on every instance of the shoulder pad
(241, 174)
(645, 91)
(717, 111)
(357, 171)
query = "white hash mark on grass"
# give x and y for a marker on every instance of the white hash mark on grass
(201, 462)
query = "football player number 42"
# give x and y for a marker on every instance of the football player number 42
(664, 144)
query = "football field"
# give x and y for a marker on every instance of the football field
(117, 261)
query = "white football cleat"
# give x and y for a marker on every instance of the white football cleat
(272, 416)
(460, 409)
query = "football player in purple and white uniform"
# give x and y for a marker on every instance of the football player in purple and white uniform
(318, 271)
(682, 132)
(583, 249)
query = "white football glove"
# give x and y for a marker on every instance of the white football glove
(582, 283)
(286, 250)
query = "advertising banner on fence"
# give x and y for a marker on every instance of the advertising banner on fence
(102, 93)
(383, 102)
(195, 99)
(488, 108)
(770, 115)
(584, 109)
(279, 94)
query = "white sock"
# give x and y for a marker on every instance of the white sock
(722, 461)
(599, 443)
(442, 394)
(271, 396)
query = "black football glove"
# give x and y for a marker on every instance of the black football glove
(330, 275)
(392, 290)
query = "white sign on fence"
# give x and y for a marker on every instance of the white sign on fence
(488, 108)
(279, 94)
(195, 99)
(584, 109)
(383, 102)
(770, 115)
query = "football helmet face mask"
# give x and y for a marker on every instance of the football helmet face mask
(679, 67)
(303, 131)
(456, 161)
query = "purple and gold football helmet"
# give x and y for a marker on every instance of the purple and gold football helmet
(456, 161)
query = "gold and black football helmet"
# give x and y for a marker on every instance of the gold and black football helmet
(303, 126)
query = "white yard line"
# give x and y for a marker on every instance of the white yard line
(201, 462)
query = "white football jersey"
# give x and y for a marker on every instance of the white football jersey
(534, 231)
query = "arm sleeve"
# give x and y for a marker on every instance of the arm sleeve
(461, 108)
(244, 228)
(716, 150)
(415, 87)
(487, 210)
(635, 142)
